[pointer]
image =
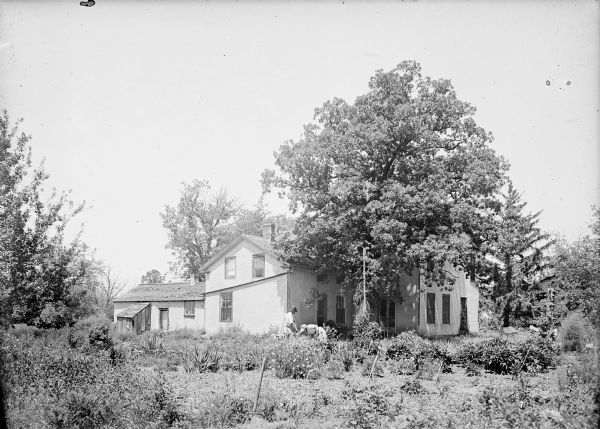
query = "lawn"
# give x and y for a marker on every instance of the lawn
(83, 378)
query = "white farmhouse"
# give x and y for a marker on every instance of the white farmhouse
(249, 285)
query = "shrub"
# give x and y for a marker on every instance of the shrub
(241, 354)
(225, 410)
(367, 334)
(413, 387)
(152, 343)
(402, 366)
(59, 386)
(372, 365)
(296, 359)
(409, 345)
(572, 333)
(344, 352)
(369, 407)
(502, 356)
(99, 336)
(202, 358)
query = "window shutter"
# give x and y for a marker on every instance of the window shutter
(340, 309)
(431, 308)
(446, 308)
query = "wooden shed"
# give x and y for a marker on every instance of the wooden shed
(135, 318)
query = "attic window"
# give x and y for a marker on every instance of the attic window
(258, 265)
(322, 278)
(230, 267)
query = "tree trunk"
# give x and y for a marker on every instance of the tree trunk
(506, 314)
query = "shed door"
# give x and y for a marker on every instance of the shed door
(164, 319)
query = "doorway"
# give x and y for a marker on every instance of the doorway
(163, 319)
(322, 311)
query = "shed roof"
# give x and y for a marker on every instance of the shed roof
(164, 292)
(133, 310)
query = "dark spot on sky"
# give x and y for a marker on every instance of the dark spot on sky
(568, 82)
(547, 83)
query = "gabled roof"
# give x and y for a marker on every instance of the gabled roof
(164, 292)
(133, 310)
(265, 245)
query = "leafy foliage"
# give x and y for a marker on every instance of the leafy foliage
(43, 279)
(298, 359)
(152, 276)
(404, 171)
(408, 345)
(499, 355)
(577, 270)
(197, 224)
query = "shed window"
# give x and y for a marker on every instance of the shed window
(189, 308)
(230, 267)
(258, 265)
(226, 307)
(446, 309)
(340, 309)
(431, 308)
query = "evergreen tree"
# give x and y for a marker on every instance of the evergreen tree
(521, 261)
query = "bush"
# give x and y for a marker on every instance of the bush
(152, 343)
(501, 356)
(202, 358)
(99, 336)
(572, 333)
(297, 359)
(241, 354)
(225, 410)
(59, 386)
(367, 334)
(409, 345)
(369, 407)
(402, 366)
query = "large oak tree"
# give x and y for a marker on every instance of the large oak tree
(404, 172)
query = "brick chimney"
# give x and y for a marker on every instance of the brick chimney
(268, 231)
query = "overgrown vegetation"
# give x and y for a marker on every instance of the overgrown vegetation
(87, 377)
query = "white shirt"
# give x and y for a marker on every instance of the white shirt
(289, 318)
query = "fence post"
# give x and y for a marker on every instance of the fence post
(262, 370)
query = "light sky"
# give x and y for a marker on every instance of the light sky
(125, 100)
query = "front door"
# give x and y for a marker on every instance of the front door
(322, 311)
(164, 319)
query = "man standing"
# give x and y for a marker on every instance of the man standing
(290, 325)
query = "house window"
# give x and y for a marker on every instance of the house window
(446, 309)
(340, 309)
(189, 308)
(226, 307)
(431, 308)
(230, 267)
(258, 265)
(387, 313)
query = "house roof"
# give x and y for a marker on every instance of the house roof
(133, 310)
(164, 292)
(267, 246)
